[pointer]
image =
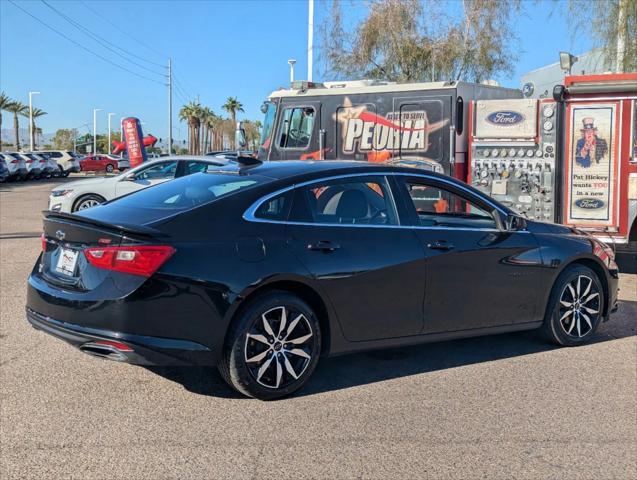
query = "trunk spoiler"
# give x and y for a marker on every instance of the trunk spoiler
(121, 227)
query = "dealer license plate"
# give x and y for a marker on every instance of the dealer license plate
(66, 262)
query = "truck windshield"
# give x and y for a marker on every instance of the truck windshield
(269, 110)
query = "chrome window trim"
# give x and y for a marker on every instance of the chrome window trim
(249, 214)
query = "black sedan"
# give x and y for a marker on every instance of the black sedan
(261, 269)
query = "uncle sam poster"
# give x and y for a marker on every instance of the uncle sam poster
(591, 164)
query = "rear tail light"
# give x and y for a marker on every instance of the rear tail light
(141, 260)
(43, 241)
(15, 161)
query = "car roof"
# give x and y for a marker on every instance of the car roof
(292, 168)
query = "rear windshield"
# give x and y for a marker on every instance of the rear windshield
(190, 191)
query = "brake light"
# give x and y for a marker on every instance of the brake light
(141, 260)
(43, 241)
(15, 161)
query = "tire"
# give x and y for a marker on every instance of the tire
(280, 367)
(585, 302)
(66, 174)
(109, 168)
(87, 201)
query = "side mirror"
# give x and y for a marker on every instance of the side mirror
(240, 137)
(514, 223)
(129, 177)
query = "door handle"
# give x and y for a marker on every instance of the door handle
(440, 245)
(323, 246)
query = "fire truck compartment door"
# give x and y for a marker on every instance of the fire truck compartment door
(297, 135)
(424, 129)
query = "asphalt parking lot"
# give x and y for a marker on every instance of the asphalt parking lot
(507, 406)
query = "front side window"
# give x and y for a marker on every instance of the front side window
(354, 201)
(160, 171)
(296, 128)
(438, 207)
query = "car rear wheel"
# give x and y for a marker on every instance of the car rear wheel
(109, 168)
(272, 347)
(87, 201)
(575, 307)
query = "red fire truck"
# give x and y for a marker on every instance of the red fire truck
(571, 159)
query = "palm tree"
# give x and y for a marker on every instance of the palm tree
(204, 116)
(4, 105)
(37, 112)
(232, 106)
(17, 108)
(190, 113)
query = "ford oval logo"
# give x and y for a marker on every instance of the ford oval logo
(505, 118)
(589, 203)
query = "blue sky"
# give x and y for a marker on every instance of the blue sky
(219, 48)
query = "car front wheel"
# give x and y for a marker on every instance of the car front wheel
(575, 307)
(272, 348)
(87, 201)
(109, 168)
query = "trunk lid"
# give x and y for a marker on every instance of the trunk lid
(66, 236)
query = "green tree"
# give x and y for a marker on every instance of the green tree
(63, 139)
(412, 40)
(233, 106)
(17, 108)
(613, 28)
(4, 105)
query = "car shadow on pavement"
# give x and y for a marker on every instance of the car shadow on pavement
(364, 368)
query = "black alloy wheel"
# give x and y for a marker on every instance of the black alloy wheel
(575, 306)
(272, 348)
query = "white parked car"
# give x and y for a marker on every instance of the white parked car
(67, 161)
(81, 194)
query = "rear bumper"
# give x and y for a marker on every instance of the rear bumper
(145, 350)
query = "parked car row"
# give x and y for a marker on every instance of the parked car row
(41, 164)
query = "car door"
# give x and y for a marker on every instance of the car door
(157, 172)
(478, 275)
(345, 232)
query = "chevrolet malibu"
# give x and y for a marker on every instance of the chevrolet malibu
(262, 269)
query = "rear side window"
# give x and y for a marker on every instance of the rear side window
(296, 128)
(190, 191)
(196, 167)
(276, 208)
(354, 201)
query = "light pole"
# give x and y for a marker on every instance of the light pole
(291, 61)
(121, 134)
(31, 117)
(310, 39)
(109, 132)
(95, 110)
